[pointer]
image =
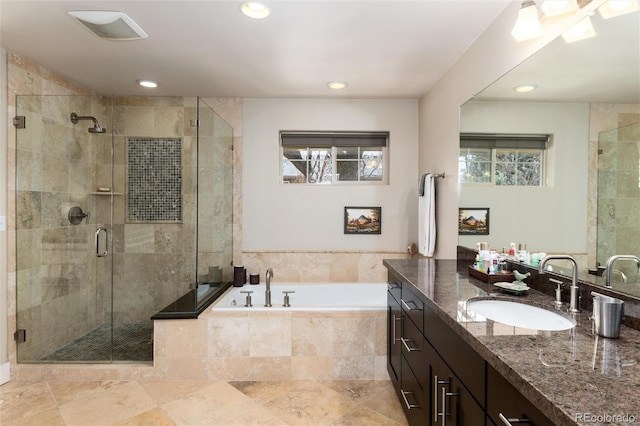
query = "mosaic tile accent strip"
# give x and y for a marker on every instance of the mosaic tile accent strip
(154, 179)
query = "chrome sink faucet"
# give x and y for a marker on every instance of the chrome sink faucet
(267, 293)
(575, 291)
(613, 260)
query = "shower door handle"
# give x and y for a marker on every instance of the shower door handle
(106, 242)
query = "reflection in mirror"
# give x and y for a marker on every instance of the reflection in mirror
(587, 97)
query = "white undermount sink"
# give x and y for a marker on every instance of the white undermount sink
(518, 314)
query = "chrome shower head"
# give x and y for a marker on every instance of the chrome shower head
(96, 126)
(97, 129)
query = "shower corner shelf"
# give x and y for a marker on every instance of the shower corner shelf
(106, 193)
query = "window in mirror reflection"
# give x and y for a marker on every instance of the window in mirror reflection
(501, 166)
(502, 160)
(518, 167)
(474, 165)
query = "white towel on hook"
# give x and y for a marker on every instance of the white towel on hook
(427, 216)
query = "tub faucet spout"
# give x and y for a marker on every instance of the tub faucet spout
(267, 293)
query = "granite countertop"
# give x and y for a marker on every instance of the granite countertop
(573, 376)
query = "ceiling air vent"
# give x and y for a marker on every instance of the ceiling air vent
(109, 25)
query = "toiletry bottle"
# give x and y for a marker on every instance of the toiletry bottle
(512, 251)
(486, 262)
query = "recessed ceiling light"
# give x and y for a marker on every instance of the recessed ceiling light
(254, 9)
(147, 83)
(524, 88)
(337, 85)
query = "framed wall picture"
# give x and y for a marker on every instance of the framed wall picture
(473, 221)
(363, 220)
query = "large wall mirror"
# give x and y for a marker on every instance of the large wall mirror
(587, 202)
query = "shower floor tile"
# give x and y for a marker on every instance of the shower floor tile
(131, 342)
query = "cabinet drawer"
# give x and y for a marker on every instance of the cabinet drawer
(394, 286)
(412, 343)
(412, 306)
(413, 397)
(461, 358)
(503, 398)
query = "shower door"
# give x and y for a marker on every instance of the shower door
(63, 224)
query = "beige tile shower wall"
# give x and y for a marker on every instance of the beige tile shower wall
(55, 286)
(605, 117)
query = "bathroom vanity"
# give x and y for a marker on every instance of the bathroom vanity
(450, 366)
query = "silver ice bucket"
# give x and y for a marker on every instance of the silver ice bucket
(607, 315)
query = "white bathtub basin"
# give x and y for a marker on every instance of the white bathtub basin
(517, 314)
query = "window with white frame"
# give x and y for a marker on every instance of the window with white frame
(502, 159)
(333, 157)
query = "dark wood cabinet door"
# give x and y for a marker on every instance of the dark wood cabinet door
(452, 404)
(394, 333)
(504, 399)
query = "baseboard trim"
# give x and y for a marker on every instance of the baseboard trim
(5, 373)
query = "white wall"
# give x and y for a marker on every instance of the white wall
(551, 218)
(310, 217)
(491, 56)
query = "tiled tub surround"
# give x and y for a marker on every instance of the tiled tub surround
(248, 344)
(566, 375)
(298, 344)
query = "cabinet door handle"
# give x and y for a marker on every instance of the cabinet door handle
(509, 422)
(409, 308)
(393, 285)
(437, 382)
(445, 395)
(406, 401)
(394, 339)
(406, 345)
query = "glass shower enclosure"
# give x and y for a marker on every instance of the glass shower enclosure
(619, 202)
(123, 206)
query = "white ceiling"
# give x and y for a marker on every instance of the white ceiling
(384, 49)
(605, 68)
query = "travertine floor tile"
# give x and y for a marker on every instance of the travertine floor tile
(264, 391)
(110, 403)
(310, 403)
(22, 402)
(215, 404)
(364, 416)
(163, 392)
(154, 417)
(211, 403)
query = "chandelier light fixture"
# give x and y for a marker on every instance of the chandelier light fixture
(617, 7)
(528, 22)
(580, 31)
(559, 7)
